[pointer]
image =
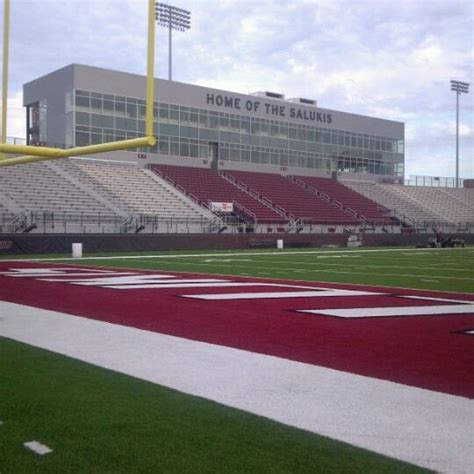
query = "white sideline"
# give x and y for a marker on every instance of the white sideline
(427, 428)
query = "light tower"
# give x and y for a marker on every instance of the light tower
(174, 19)
(460, 88)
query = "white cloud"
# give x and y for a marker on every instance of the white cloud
(391, 59)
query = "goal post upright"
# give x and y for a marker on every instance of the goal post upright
(6, 35)
(150, 73)
(38, 153)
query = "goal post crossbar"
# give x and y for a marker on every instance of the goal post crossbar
(38, 153)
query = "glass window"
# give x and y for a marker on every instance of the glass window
(96, 138)
(203, 120)
(120, 123)
(224, 123)
(163, 146)
(96, 105)
(96, 120)
(164, 113)
(131, 124)
(82, 139)
(193, 119)
(82, 118)
(142, 112)
(174, 148)
(301, 133)
(83, 102)
(235, 154)
(120, 108)
(213, 121)
(203, 150)
(184, 148)
(224, 153)
(108, 107)
(264, 129)
(184, 116)
(108, 135)
(255, 156)
(174, 115)
(131, 109)
(245, 155)
(193, 148)
(168, 129)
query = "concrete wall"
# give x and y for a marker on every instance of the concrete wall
(25, 244)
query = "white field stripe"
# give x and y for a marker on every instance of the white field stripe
(72, 273)
(433, 298)
(37, 447)
(393, 311)
(129, 279)
(163, 286)
(423, 427)
(143, 281)
(323, 292)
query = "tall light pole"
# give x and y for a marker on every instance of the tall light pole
(174, 19)
(460, 88)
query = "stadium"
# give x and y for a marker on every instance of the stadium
(225, 164)
(194, 279)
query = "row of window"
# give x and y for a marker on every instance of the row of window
(370, 162)
(289, 146)
(102, 107)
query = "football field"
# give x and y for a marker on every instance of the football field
(238, 361)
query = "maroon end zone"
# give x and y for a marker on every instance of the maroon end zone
(413, 337)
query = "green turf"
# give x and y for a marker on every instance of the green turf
(434, 269)
(98, 421)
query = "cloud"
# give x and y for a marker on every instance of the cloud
(391, 59)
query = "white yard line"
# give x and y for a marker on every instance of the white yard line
(423, 427)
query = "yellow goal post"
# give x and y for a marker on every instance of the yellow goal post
(38, 153)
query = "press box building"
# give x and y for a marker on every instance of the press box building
(199, 126)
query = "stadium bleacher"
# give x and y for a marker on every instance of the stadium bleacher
(137, 189)
(40, 187)
(347, 197)
(387, 195)
(81, 191)
(206, 186)
(295, 201)
(421, 204)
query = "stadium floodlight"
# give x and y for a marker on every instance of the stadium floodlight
(460, 88)
(38, 153)
(174, 19)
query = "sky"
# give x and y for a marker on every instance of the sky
(391, 59)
